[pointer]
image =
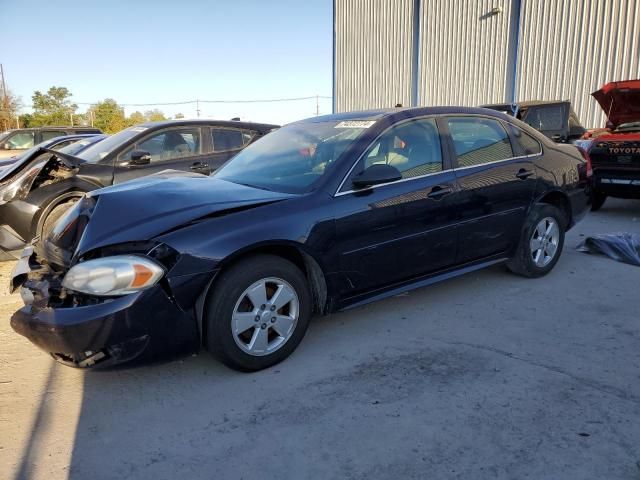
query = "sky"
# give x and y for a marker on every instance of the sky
(163, 51)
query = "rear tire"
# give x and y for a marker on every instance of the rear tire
(597, 200)
(541, 243)
(247, 325)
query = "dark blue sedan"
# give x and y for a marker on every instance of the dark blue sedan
(322, 215)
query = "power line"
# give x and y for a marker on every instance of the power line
(189, 102)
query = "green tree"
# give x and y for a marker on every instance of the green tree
(52, 108)
(135, 118)
(108, 116)
(154, 115)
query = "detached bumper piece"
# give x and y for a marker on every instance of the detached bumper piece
(84, 331)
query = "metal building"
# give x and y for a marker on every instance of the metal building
(473, 52)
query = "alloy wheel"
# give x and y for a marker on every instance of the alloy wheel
(265, 316)
(544, 242)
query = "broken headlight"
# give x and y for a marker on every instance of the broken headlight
(117, 275)
(19, 187)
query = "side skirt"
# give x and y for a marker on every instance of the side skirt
(366, 298)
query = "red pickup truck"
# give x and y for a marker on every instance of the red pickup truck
(615, 150)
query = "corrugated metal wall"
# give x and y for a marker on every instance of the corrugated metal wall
(373, 53)
(569, 49)
(467, 55)
(464, 52)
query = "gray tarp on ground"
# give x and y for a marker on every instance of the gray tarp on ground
(623, 247)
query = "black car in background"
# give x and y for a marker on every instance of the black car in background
(14, 142)
(198, 146)
(17, 173)
(555, 119)
(321, 215)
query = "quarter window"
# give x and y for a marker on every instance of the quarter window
(412, 147)
(229, 139)
(49, 134)
(529, 145)
(479, 140)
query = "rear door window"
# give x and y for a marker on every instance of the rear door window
(545, 118)
(478, 140)
(229, 139)
(49, 134)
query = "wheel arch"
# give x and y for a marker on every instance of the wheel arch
(39, 219)
(560, 200)
(291, 251)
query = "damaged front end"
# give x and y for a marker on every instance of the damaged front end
(47, 167)
(93, 324)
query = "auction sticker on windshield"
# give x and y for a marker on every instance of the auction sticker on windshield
(355, 124)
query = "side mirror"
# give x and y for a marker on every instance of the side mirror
(6, 146)
(140, 157)
(376, 175)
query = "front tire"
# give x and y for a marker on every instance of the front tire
(257, 313)
(541, 243)
(52, 217)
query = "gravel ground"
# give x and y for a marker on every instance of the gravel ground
(485, 376)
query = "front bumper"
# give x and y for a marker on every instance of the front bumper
(625, 184)
(86, 332)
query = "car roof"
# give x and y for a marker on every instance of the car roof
(211, 123)
(96, 129)
(403, 112)
(526, 103)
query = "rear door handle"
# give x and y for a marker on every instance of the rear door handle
(199, 166)
(439, 191)
(524, 174)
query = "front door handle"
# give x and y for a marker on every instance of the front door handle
(439, 191)
(199, 166)
(524, 174)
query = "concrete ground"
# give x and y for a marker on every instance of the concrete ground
(485, 376)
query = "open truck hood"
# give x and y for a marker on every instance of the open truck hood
(145, 208)
(620, 101)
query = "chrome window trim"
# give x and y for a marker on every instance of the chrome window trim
(497, 161)
(338, 193)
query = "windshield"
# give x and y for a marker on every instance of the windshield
(99, 150)
(76, 147)
(293, 158)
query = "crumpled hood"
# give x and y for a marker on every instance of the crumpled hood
(147, 207)
(620, 101)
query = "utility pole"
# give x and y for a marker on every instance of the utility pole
(5, 103)
(317, 105)
(198, 108)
